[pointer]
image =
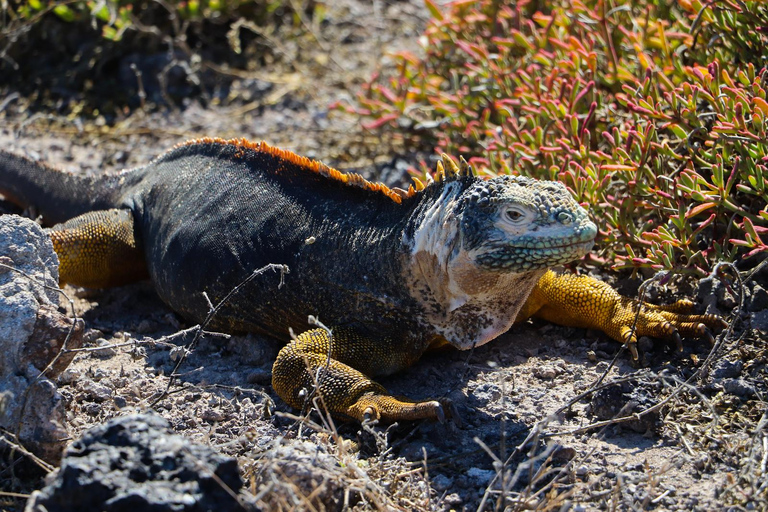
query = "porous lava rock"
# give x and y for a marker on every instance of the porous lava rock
(136, 462)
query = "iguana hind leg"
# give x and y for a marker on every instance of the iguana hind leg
(305, 364)
(582, 301)
(98, 249)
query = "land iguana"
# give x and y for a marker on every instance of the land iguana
(393, 272)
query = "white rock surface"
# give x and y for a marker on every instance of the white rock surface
(32, 333)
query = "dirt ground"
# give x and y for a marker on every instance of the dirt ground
(523, 441)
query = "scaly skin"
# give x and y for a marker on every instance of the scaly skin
(393, 272)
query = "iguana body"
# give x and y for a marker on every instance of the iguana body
(393, 273)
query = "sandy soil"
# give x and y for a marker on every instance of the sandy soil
(519, 440)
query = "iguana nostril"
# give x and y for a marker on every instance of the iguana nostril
(564, 218)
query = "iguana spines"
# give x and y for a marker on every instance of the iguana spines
(289, 158)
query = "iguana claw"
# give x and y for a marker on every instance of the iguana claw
(678, 341)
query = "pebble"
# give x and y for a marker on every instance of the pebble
(724, 369)
(442, 482)
(106, 352)
(93, 390)
(481, 477)
(69, 376)
(488, 392)
(546, 372)
(759, 299)
(739, 387)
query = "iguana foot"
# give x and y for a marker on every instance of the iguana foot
(336, 368)
(670, 322)
(388, 408)
(582, 301)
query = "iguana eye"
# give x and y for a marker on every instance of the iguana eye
(513, 215)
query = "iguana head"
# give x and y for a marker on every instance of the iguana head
(518, 224)
(479, 246)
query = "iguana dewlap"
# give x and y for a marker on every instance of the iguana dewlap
(392, 272)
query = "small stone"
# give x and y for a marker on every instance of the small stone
(760, 320)
(104, 353)
(97, 373)
(759, 299)
(69, 376)
(145, 327)
(724, 369)
(481, 477)
(92, 409)
(547, 372)
(90, 337)
(93, 390)
(453, 500)
(213, 416)
(739, 387)
(645, 344)
(725, 300)
(487, 392)
(442, 482)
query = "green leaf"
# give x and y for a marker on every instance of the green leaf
(433, 10)
(64, 12)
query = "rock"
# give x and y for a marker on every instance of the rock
(546, 372)
(104, 353)
(487, 392)
(759, 299)
(739, 387)
(481, 477)
(725, 369)
(707, 294)
(624, 399)
(137, 462)
(760, 320)
(442, 483)
(298, 470)
(32, 334)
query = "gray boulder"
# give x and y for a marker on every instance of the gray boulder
(32, 334)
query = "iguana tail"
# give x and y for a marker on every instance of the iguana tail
(57, 195)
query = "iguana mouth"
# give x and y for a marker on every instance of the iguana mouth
(544, 247)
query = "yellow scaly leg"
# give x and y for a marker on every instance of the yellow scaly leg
(98, 249)
(582, 301)
(341, 378)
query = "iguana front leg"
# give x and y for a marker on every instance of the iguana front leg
(340, 376)
(582, 301)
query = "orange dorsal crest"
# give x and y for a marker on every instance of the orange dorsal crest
(302, 162)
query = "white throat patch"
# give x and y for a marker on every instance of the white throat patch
(466, 305)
